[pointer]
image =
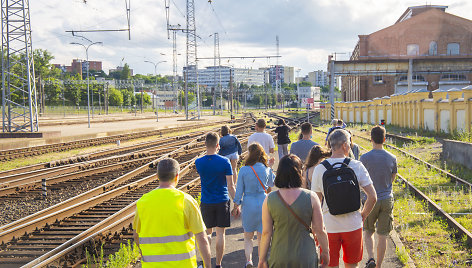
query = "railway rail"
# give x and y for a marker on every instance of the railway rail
(6, 155)
(34, 239)
(416, 191)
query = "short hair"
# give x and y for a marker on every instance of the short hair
(377, 134)
(289, 172)
(256, 154)
(167, 169)
(316, 154)
(306, 128)
(334, 122)
(281, 122)
(225, 130)
(340, 122)
(211, 139)
(261, 123)
(337, 138)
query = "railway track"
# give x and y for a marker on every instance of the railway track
(418, 190)
(6, 155)
(44, 234)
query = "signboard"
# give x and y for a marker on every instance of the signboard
(310, 100)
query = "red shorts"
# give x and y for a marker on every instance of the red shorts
(351, 243)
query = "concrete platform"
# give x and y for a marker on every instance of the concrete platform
(29, 135)
(96, 130)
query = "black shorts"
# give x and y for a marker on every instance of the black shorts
(216, 215)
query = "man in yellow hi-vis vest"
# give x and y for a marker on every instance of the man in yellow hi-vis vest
(165, 223)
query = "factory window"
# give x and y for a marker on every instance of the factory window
(415, 78)
(412, 50)
(378, 79)
(453, 77)
(453, 49)
(433, 48)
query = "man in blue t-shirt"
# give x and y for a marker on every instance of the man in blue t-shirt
(216, 177)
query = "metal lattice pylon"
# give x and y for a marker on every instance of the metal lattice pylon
(18, 83)
(191, 54)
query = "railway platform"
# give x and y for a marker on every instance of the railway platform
(78, 131)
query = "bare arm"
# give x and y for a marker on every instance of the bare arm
(231, 187)
(319, 229)
(204, 247)
(271, 150)
(371, 200)
(267, 229)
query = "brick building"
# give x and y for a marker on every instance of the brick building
(421, 32)
(80, 66)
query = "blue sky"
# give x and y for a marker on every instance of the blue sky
(308, 30)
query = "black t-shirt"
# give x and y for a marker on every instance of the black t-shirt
(282, 134)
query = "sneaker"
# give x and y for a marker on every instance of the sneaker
(370, 263)
(249, 264)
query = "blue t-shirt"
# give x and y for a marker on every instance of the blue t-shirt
(213, 170)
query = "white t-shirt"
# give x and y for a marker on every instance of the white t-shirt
(346, 222)
(263, 139)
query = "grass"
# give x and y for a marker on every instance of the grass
(21, 162)
(402, 255)
(128, 254)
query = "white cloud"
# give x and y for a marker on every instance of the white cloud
(309, 30)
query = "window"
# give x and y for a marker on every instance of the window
(412, 50)
(378, 79)
(453, 49)
(433, 48)
(415, 78)
(453, 77)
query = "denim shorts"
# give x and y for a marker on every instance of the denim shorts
(233, 156)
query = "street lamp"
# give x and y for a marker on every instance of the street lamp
(155, 74)
(88, 82)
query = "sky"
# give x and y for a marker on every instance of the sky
(308, 30)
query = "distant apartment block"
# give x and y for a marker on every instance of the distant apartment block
(286, 74)
(213, 75)
(80, 66)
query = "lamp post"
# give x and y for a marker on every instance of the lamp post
(298, 89)
(155, 74)
(88, 82)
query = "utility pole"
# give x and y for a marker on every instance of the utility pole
(157, 98)
(106, 99)
(231, 91)
(17, 53)
(298, 89)
(277, 71)
(216, 52)
(191, 53)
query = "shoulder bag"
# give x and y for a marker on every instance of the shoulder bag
(263, 187)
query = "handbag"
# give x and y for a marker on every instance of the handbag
(263, 187)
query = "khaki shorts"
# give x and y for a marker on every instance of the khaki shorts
(382, 213)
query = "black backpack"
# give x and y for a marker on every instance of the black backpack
(341, 188)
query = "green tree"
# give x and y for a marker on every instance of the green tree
(305, 84)
(126, 72)
(115, 97)
(53, 91)
(191, 98)
(75, 89)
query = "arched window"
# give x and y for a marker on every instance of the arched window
(433, 48)
(453, 49)
(412, 50)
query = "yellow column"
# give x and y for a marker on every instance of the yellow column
(468, 110)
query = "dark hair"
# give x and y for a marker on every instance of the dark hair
(256, 154)
(261, 123)
(225, 130)
(211, 139)
(306, 128)
(377, 134)
(281, 122)
(167, 169)
(316, 154)
(340, 122)
(289, 172)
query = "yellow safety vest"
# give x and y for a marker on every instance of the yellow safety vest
(163, 239)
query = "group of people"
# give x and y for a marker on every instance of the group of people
(317, 204)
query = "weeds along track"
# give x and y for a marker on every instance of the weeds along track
(106, 209)
(6, 155)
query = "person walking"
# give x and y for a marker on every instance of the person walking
(337, 124)
(337, 181)
(382, 167)
(254, 183)
(230, 147)
(302, 147)
(262, 138)
(216, 176)
(167, 222)
(287, 215)
(315, 156)
(283, 139)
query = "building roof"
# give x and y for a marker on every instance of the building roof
(415, 10)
